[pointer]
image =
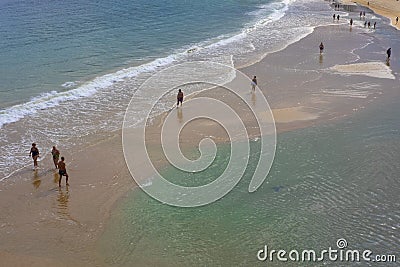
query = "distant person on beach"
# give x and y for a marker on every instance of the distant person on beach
(334, 16)
(364, 14)
(369, 24)
(179, 98)
(35, 154)
(338, 17)
(56, 155)
(321, 48)
(360, 14)
(374, 25)
(351, 22)
(254, 83)
(62, 171)
(365, 24)
(389, 52)
(397, 20)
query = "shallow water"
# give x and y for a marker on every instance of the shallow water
(335, 180)
(77, 70)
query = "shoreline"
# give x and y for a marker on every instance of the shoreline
(388, 9)
(101, 182)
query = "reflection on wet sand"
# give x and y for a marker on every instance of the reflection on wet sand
(56, 177)
(253, 99)
(36, 179)
(62, 205)
(179, 113)
(63, 201)
(321, 59)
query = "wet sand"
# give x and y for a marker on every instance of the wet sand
(43, 225)
(386, 8)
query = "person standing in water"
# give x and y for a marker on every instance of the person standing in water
(35, 154)
(179, 98)
(389, 52)
(56, 155)
(254, 83)
(62, 171)
(321, 48)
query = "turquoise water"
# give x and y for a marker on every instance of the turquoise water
(47, 44)
(335, 180)
(68, 69)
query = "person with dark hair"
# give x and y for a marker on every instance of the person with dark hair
(62, 171)
(35, 154)
(56, 155)
(254, 83)
(179, 98)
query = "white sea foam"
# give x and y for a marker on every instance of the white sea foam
(98, 105)
(53, 98)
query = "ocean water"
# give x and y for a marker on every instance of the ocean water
(69, 68)
(335, 180)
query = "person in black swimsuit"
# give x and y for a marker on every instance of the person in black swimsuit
(179, 98)
(35, 154)
(62, 171)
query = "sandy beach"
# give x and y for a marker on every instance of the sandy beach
(44, 225)
(389, 9)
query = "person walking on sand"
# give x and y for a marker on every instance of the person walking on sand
(254, 83)
(351, 22)
(338, 17)
(321, 48)
(397, 20)
(360, 14)
(365, 24)
(374, 25)
(56, 155)
(334, 16)
(179, 98)
(62, 171)
(35, 154)
(389, 52)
